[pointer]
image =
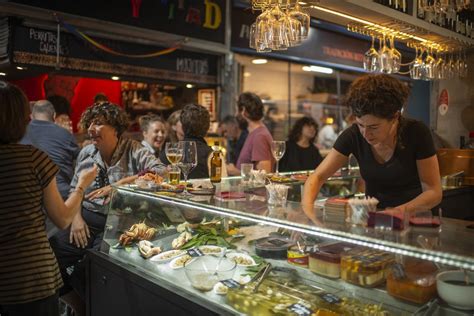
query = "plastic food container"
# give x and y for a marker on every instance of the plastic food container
(297, 257)
(414, 280)
(365, 267)
(327, 260)
(273, 247)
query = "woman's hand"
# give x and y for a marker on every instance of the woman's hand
(102, 192)
(87, 176)
(79, 232)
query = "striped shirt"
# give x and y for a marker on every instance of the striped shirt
(28, 267)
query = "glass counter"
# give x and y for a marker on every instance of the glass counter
(243, 225)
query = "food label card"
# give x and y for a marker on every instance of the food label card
(231, 283)
(194, 252)
(300, 309)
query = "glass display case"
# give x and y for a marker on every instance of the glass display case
(236, 254)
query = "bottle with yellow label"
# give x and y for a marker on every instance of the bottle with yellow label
(216, 164)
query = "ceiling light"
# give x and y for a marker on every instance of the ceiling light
(324, 70)
(247, 74)
(19, 68)
(189, 86)
(115, 78)
(259, 61)
(2, 74)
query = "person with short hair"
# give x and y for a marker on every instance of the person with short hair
(195, 122)
(154, 133)
(232, 130)
(57, 142)
(62, 107)
(119, 160)
(29, 274)
(175, 131)
(301, 153)
(100, 98)
(257, 148)
(396, 155)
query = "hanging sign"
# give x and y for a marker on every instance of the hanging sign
(207, 98)
(443, 102)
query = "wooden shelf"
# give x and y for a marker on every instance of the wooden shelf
(380, 14)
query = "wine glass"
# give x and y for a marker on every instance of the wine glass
(188, 161)
(371, 58)
(174, 152)
(278, 150)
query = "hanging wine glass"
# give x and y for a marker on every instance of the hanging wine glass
(396, 56)
(385, 58)
(416, 66)
(371, 58)
(440, 66)
(279, 40)
(300, 15)
(263, 31)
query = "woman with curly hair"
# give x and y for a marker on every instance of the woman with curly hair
(301, 153)
(396, 155)
(119, 160)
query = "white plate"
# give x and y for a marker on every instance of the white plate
(167, 256)
(178, 263)
(244, 256)
(211, 250)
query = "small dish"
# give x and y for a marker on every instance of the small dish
(178, 263)
(167, 256)
(211, 250)
(454, 291)
(241, 259)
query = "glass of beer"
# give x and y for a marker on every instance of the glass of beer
(174, 175)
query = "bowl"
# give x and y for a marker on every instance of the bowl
(204, 272)
(454, 291)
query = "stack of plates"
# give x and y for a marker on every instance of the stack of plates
(336, 210)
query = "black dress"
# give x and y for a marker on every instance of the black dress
(298, 158)
(396, 181)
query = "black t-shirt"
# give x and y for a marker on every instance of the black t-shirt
(299, 158)
(396, 181)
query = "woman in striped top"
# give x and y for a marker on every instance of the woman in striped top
(29, 273)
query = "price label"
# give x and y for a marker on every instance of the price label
(330, 298)
(194, 252)
(300, 309)
(231, 283)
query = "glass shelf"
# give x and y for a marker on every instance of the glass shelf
(454, 243)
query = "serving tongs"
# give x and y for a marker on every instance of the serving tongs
(260, 276)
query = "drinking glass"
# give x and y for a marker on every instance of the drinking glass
(300, 15)
(396, 56)
(371, 58)
(188, 161)
(174, 175)
(246, 171)
(174, 152)
(278, 150)
(416, 66)
(385, 58)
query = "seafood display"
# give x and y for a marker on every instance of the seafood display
(241, 259)
(136, 233)
(179, 262)
(147, 249)
(167, 256)
(183, 238)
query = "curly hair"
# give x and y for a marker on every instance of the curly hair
(297, 129)
(109, 113)
(380, 95)
(14, 113)
(252, 104)
(195, 119)
(146, 120)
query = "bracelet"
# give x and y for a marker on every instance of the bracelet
(79, 190)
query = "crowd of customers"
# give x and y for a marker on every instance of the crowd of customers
(56, 181)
